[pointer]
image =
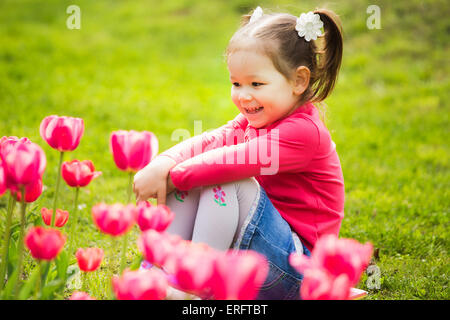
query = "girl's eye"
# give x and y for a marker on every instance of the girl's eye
(236, 84)
(256, 84)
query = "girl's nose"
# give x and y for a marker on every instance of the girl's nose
(244, 96)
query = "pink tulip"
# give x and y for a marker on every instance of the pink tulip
(2, 178)
(32, 191)
(156, 246)
(115, 220)
(44, 244)
(60, 219)
(193, 268)
(62, 133)
(336, 256)
(153, 217)
(7, 143)
(25, 163)
(78, 173)
(239, 275)
(133, 150)
(318, 284)
(140, 285)
(89, 259)
(79, 295)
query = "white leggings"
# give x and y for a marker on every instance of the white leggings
(212, 214)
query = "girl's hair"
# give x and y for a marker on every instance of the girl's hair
(274, 34)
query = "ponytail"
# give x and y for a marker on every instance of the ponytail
(329, 56)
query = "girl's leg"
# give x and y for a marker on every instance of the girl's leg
(222, 210)
(184, 204)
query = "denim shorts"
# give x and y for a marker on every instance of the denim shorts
(266, 232)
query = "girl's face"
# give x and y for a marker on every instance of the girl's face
(261, 93)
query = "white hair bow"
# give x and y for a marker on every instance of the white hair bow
(257, 13)
(309, 26)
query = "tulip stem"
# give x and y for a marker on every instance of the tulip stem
(38, 281)
(23, 206)
(4, 262)
(73, 219)
(112, 267)
(124, 251)
(58, 178)
(84, 280)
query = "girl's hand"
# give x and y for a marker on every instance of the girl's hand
(152, 180)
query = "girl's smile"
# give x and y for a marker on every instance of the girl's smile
(261, 93)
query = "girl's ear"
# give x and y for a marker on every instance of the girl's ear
(301, 80)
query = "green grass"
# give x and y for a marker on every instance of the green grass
(158, 66)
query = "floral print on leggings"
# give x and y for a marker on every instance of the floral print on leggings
(219, 196)
(180, 195)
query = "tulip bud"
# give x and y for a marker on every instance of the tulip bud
(78, 173)
(89, 259)
(62, 133)
(61, 217)
(133, 150)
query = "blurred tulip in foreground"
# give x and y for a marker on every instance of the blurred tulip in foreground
(44, 243)
(318, 284)
(193, 268)
(24, 164)
(140, 285)
(156, 246)
(334, 267)
(336, 256)
(115, 219)
(239, 274)
(89, 259)
(79, 295)
(32, 191)
(153, 217)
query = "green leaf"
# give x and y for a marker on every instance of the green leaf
(136, 262)
(62, 262)
(29, 285)
(51, 288)
(9, 287)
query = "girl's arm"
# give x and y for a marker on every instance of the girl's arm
(154, 181)
(230, 133)
(288, 148)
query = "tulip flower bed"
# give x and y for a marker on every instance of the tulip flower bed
(194, 268)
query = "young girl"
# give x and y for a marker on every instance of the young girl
(221, 185)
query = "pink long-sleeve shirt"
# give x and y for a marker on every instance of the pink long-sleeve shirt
(293, 159)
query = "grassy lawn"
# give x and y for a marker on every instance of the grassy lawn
(159, 66)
